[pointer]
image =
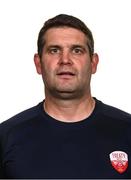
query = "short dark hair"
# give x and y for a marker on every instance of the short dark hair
(69, 21)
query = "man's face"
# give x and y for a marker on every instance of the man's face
(66, 65)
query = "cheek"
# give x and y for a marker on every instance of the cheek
(49, 63)
(48, 70)
(85, 68)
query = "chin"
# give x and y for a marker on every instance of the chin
(67, 94)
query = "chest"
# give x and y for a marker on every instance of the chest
(70, 153)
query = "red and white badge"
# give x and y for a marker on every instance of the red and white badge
(119, 161)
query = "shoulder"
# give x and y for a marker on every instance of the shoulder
(113, 113)
(20, 118)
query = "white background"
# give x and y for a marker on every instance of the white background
(20, 22)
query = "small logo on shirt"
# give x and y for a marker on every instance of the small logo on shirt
(119, 161)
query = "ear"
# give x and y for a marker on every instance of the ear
(94, 62)
(37, 64)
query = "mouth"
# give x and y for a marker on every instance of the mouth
(66, 74)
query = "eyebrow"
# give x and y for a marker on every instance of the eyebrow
(72, 46)
(53, 46)
(78, 46)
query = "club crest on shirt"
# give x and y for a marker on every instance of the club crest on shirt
(119, 161)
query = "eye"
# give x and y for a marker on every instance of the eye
(78, 50)
(54, 51)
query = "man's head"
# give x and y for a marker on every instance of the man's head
(66, 58)
(61, 21)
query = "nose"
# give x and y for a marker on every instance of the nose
(65, 58)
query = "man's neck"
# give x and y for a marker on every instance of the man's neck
(69, 110)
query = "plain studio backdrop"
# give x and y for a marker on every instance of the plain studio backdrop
(20, 22)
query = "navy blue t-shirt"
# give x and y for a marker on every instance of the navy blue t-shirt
(34, 145)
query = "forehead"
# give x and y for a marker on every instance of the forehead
(64, 35)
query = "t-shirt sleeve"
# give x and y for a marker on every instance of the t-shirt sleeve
(1, 166)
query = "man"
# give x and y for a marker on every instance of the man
(70, 134)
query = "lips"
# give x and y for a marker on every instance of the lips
(66, 73)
